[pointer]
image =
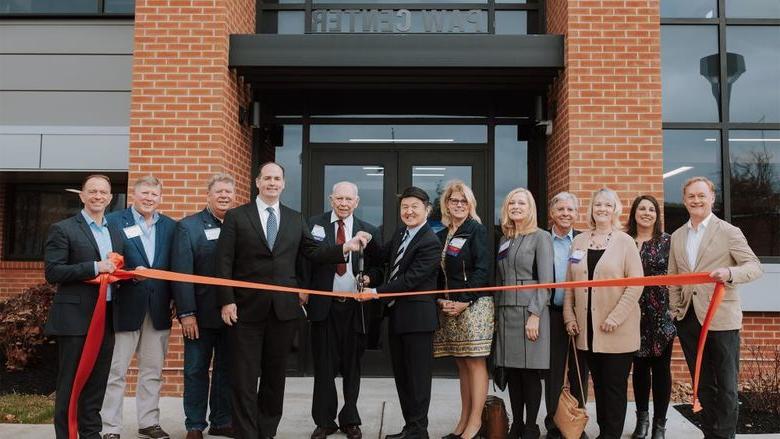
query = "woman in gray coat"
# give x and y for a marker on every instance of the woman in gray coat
(525, 256)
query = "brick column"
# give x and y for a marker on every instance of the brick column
(607, 130)
(184, 113)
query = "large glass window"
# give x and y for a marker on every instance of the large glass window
(689, 153)
(398, 133)
(754, 73)
(67, 7)
(752, 8)
(690, 73)
(289, 156)
(510, 156)
(689, 8)
(755, 188)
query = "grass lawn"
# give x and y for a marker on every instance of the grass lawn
(26, 409)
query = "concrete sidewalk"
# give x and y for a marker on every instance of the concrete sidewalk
(379, 411)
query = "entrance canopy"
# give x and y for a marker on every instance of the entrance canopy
(397, 61)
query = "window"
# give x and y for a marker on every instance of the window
(689, 8)
(754, 62)
(67, 7)
(289, 156)
(35, 207)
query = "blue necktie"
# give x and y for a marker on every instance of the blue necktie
(272, 227)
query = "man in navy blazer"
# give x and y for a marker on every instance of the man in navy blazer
(77, 250)
(338, 325)
(205, 334)
(142, 316)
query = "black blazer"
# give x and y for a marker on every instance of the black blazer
(194, 253)
(468, 266)
(69, 259)
(417, 272)
(150, 295)
(243, 254)
(322, 274)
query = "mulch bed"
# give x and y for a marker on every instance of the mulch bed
(39, 378)
(749, 422)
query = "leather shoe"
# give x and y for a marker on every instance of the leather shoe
(352, 431)
(409, 434)
(323, 432)
(194, 434)
(226, 431)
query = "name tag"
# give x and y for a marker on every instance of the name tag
(212, 234)
(318, 232)
(503, 250)
(455, 245)
(576, 256)
(132, 231)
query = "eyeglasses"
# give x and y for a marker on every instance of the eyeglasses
(457, 201)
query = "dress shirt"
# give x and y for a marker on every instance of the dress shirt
(346, 282)
(148, 233)
(694, 240)
(261, 209)
(561, 249)
(103, 239)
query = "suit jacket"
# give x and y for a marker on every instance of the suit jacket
(194, 252)
(151, 295)
(467, 266)
(417, 272)
(722, 245)
(69, 259)
(322, 274)
(619, 304)
(243, 254)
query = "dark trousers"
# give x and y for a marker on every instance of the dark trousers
(259, 349)
(336, 347)
(610, 384)
(198, 353)
(719, 375)
(559, 343)
(655, 373)
(525, 393)
(91, 400)
(412, 359)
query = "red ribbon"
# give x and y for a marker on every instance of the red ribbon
(97, 325)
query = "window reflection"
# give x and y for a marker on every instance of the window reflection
(289, 156)
(511, 22)
(400, 134)
(686, 76)
(511, 165)
(755, 95)
(689, 8)
(50, 6)
(755, 188)
(752, 9)
(689, 153)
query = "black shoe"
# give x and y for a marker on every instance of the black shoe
(226, 431)
(153, 432)
(352, 431)
(402, 435)
(323, 432)
(642, 425)
(659, 428)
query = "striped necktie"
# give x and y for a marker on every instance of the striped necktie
(272, 227)
(399, 255)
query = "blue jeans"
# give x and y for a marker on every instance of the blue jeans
(197, 359)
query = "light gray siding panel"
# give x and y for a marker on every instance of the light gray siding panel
(65, 72)
(65, 108)
(21, 36)
(761, 295)
(19, 151)
(85, 152)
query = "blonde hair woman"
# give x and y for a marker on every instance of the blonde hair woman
(605, 319)
(466, 319)
(525, 256)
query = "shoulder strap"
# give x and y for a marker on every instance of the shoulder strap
(566, 384)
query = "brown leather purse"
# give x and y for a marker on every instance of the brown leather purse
(570, 418)
(495, 422)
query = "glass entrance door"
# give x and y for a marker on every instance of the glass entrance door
(381, 173)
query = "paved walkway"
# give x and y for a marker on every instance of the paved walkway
(378, 408)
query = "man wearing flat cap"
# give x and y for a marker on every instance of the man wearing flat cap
(412, 258)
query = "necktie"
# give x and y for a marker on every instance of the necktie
(340, 240)
(272, 227)
(399, 255)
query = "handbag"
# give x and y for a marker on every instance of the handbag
(498, 373)
(570, 418)
(495, 421)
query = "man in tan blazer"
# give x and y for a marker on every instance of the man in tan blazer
(709, 244)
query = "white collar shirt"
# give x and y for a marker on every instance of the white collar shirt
(346, 282)
(261, 209)
(694, 240)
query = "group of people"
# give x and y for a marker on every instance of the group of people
(247, 334)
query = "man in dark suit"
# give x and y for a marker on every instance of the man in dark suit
(205, 335)
(338, 325)
(261, 241)
(77, 250)
(563, 213)
(413, 257)
(142, 316)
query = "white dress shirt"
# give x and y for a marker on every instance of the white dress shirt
(694, 240)
(346, 282)
(261, 209)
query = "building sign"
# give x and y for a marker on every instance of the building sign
(398, 21)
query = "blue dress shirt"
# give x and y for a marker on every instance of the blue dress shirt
(561, 249)
(103, 239)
